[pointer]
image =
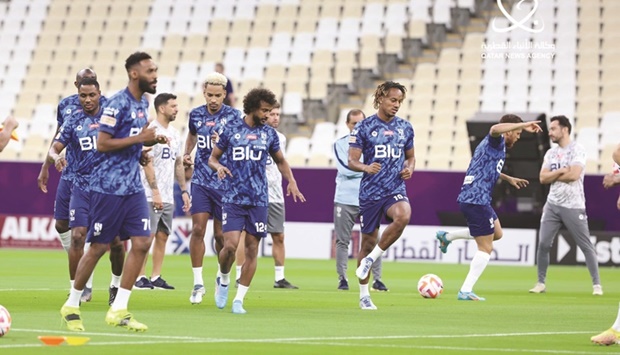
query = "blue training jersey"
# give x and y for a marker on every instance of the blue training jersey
(119, 172)
(483, 171)
(247, 148)
(78, 134)
(203, 124)
(66, 108)
(385, 143)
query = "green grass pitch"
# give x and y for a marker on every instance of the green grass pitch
(317, 318)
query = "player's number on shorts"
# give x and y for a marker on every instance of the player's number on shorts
(203, 142)
(398, 197)
(260, 227)
(146, 222)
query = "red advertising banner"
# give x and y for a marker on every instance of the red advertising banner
(28, 231)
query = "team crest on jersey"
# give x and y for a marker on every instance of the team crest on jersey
(401, 132)
(263, 135)
(251, 137)
(374, 133)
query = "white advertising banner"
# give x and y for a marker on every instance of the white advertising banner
(417, 244)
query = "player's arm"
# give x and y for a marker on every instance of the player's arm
(106, 143)
(501, 128)
(341, 152)
(518, 183)
(44, 173)
(287, 173)
(548, 176)
(151, 179)
(9, 125)
(190, 143)
(179, 175)
(214, 163)
(572, 173)
(405, 174)
(616, 155)
(54, 155)
(356, 165)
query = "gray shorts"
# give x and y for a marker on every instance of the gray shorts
(275, 218)
(161, 220)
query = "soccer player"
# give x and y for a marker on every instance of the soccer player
(204, 123)
(63, 191)
(386, 142)
(118, 203)
(158, 177)
(247, 142)
(346, 206)
(475, 197)
(612, 335)
(8, 126)
(564, 168)
(78, 133)
(275, 214)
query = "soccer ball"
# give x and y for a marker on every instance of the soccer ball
(5, 321)
(430, 286)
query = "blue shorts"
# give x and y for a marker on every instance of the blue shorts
(78, 208)
(206, 200)
(252, 219)
(63, 196)
(480, 219)
(372, 211)
(112, 215)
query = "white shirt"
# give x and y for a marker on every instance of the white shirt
(566, 194)
(274, 177)
(164, 157)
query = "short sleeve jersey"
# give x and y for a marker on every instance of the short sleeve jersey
(566, 194)
(247, 149)
(67, 107)
(483, 171)
(274, 177)
(164, 160)
(119, 172)
(203, 124)
(385, 143)
(78, 134)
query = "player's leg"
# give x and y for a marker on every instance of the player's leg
(275, 227)
(103, 227)
(143, 282)
(611, 336)
(344, 220)
(376, 270)
(370, 219)
(398, 211)
(134, 214)
(70, 311)
(201, 211)
(481, 221)
(445, 238)
(61, 212)
(233, 222)
(576, 221)
(117, 261)
(78, 239)
(256, 229)
(239, 257)
(550, 224)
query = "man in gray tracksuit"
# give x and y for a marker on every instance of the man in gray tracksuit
(563, 168)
